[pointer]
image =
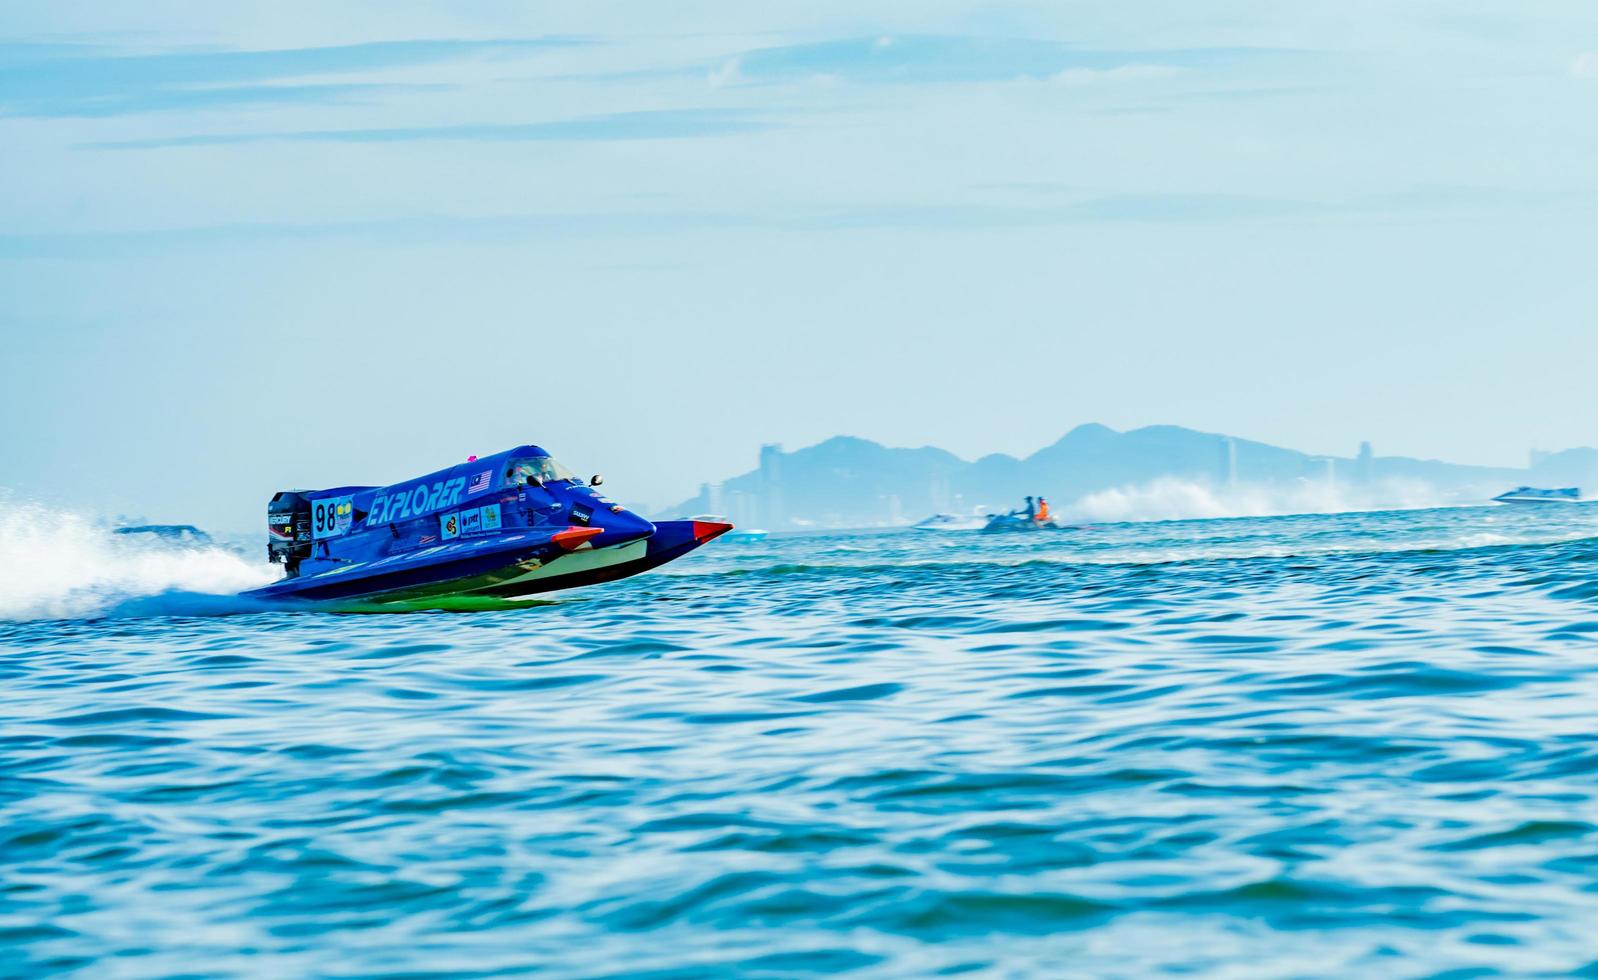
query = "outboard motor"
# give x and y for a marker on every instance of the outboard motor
(288, 529)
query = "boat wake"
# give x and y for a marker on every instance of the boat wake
(56, 564)
(1181, 500)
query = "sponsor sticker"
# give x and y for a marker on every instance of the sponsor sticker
(491, 517)
(471, 521)
(449, 526)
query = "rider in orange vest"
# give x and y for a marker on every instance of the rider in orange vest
(1043, 511)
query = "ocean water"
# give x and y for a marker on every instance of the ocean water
(1354, 745)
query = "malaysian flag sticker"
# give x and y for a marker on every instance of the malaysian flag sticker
(479, 482)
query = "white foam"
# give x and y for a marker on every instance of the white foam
(1173, 499)
(60, 565)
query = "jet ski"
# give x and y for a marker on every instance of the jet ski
(505, 526)
(1009, 523)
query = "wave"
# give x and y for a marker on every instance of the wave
(1357, 535)
(1171, 499)
(56, 564)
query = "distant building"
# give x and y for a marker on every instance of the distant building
(1228, 463)
(741, 509)
(773, 512)
(1323, 468)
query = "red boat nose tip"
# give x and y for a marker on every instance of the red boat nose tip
(571, 538)
(707, 530)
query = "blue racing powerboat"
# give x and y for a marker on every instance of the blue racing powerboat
(504, 526)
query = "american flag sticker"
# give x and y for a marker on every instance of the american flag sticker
(480, 482)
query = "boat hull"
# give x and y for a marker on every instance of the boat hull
(671, 540)
(1540, 501)
(504, 567)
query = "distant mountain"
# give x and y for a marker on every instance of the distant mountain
(850, 482)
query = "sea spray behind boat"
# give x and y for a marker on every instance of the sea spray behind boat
(59, 564)
(1174, 499)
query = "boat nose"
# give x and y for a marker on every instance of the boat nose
(619, 526)
(706, 530)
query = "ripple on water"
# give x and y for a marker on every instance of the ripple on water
(1350, 744)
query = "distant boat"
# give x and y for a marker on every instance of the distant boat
(181, 534)
(1537, 495)
(952, 522)
(1007, 523)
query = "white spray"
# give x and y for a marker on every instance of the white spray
(1171, 499)
(59, 565)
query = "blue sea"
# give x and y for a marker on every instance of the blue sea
(1334, 745)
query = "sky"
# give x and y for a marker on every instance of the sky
(252, 247)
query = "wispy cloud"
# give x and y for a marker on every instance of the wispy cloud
(1122, 73)
(1117, 208)
(651, 125)
(56, 80)
(1004, 212)
(928, 59)
(925, 59)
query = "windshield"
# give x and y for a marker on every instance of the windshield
(536, 469)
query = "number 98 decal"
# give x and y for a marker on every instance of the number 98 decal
(331, 516)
